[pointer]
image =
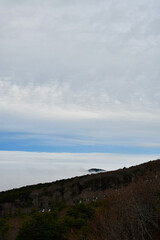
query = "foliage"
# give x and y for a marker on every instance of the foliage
(21, 194)
(49, 225)
(4, 226)
(15, 194)
(41, 226)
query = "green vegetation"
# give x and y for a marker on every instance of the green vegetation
(51, 225)
(41, 226)
(21, 194)
(4, 227)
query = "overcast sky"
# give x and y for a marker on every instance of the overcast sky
(80, 76)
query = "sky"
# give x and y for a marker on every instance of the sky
(80, 76)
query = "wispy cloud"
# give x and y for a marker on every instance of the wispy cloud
(88, 70)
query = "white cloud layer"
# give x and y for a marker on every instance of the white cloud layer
(18, 169)
(86, 68)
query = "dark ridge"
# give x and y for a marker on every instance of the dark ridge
(84, 188)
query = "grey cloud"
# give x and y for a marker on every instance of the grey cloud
(78, 61)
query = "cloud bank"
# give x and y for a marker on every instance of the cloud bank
(18, 169)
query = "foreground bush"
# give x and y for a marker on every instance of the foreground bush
(48, 225)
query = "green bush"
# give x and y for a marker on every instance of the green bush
(41, 226)
(4, 226)
(47, 225)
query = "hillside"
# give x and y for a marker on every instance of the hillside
(124, 204)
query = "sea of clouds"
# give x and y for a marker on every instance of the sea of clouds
(25, 168)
